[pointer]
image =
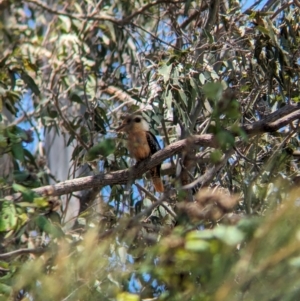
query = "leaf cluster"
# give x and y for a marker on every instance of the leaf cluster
(70, 71)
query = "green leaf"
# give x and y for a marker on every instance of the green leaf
(52, 114)
(213, 90)
(8, 216)
(263, 29)
(216, 156)
(214, 75)
(122, 251)
(101, 120)
(183, 97)
(245, 88)
(202, 78)
(18, 151)
(197, 245)
(18, 132)
(30, 83)
(20, 175)
(84, 134)
(76, 151)
(239, 131)
(194, 85)
(103, 149)
(41, 222)
(229, 107)
(209, 36)
(3, 60)
(165, 71)
(147, 202)
(13, 96)
(295, 262)
(41, 202)
(3, 140)
(29, 157)
(225, 139)
(12, 135)
(205, 234)
(46, 226)
(197, 240)
(296, 99)
(65, 23)
(27, 194)
(29, 66)
(5, 289)
(10, 107)
(127, 297)
(186, 7)
(71, 138)
(230, 235)
(168, 100)
(75, 98)
(54, 217)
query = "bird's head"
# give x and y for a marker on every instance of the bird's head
(133, 123)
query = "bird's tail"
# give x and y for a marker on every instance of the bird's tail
(158, 185)
(157, 182)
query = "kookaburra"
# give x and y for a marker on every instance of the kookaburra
(142, 144)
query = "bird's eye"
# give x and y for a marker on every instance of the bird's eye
(137, 119)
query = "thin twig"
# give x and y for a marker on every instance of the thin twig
(210, 173)
(102, 17)
(153, 198)
(22, 252)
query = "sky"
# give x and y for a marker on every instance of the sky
(247, 3)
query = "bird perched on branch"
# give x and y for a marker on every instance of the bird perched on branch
(142, 144)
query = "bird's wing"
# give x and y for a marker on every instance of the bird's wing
(153, 143)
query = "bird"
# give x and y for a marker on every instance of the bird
(142, 144)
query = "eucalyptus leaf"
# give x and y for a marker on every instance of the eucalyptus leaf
(104, 149)
(8, 216)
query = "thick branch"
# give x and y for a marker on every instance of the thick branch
(212, 14)
(122, 176)
(271, 123)
(274, 121)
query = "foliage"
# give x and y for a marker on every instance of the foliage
(192, 68)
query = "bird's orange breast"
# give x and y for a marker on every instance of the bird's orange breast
(138, 145)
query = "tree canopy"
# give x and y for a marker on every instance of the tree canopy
(219, 87)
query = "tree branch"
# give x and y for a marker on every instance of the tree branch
(270, 123)
(146, 6)
(208, 176)
(212, 14)
(273, 122)
(102, 17)
(22, 252)
(122, 176)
